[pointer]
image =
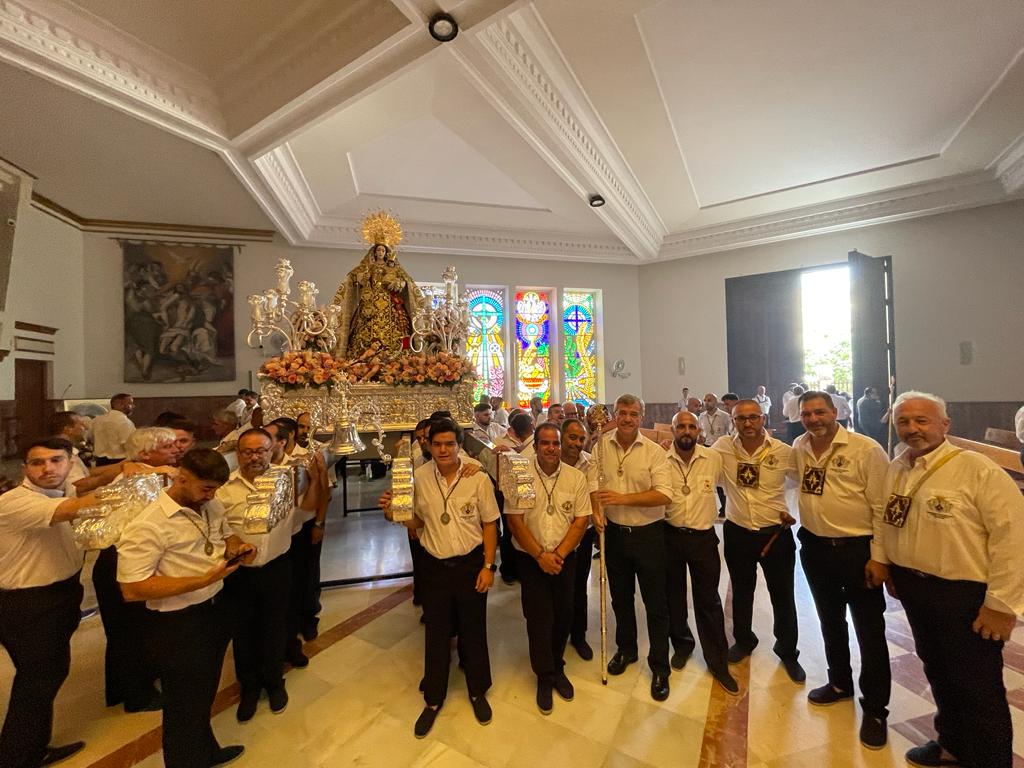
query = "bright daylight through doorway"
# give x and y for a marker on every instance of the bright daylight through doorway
(825, 299)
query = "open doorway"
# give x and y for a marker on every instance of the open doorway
(825, 314)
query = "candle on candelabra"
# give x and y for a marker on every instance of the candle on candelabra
(256, 303)
(284, 275)
(307, 294)
(270, 301)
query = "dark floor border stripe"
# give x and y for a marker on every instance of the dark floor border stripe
(727, 722)
(149, 743)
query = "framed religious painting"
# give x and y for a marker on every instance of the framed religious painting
(179, 322)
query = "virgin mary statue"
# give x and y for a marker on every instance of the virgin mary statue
(378, 298)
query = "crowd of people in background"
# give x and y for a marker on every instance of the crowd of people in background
(941, 528)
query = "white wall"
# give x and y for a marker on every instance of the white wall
(45, 289)
(254, 272)
(957, 277)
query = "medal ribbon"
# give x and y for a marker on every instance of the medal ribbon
(548, 492)
(450, 491)
(205, 534)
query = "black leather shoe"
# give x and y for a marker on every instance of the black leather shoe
(563, 687)
(874, 732)
(828, 695)
(794, 670)
(226, 755)
(930, 756)
(544, 700)
(738, 653)
(311, 630)
(481, 709)
(583, 649)
(63, 752)
(298, 659)
(619, 662)
(728, 683)
(679, 659)
(247, 704)
(278, 700)
(425, 721)
(659, 687)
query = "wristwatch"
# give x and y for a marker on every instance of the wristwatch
(492, 567)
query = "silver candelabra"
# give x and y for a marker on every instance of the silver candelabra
(273, 312)
(442, 328)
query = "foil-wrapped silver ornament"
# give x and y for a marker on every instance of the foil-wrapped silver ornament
(100, 526)
(516, 480)
(272, 501)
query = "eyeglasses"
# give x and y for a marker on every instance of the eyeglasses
(746, 418)
(254, 452)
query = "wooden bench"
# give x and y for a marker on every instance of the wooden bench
(657, 435)
(1003, 437)
(1005, 457)
(659, 427)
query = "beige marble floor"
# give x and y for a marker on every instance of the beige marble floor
(356, 703)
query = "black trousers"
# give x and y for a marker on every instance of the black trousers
(742, 556)
(547, 607)
(637, 553)
(259, 598)
(964, 670)
(189, 646)
(835, 574)
(129, 671)
(793, 430)
(450, 601)
(507, 564)
(581, 583)
(416, 552)
(696, 551)
(36, 625)
(301, 555)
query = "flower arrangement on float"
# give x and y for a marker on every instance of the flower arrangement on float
(312, 369)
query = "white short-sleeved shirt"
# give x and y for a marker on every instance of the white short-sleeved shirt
(165, 540)
(470, 505)
(644, 468)
(714, 425)
(34, 553)
(765, 402)
(232, 496)
(966, 522)
(791, 409)
(1018, 424)
(842, 407)
(855, 468)
(110, 431)
(561, 498)
(760, 507)
(697, 509)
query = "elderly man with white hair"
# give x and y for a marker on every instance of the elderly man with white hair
(953, 534)
(129, 675)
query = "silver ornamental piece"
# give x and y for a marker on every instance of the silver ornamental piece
(100, 526)
(272, 501)
(516, 480)
(402, 483)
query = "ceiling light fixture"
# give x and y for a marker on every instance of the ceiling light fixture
(443, 27)
(596, 201)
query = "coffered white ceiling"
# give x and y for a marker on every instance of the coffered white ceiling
(704, 125)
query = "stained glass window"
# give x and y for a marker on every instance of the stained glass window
(579, 361)
(486, 344)
(533, 354)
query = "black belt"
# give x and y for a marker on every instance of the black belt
(834, 541)
(690, 531)
(630, 528)
(766, 529)
(453, 562)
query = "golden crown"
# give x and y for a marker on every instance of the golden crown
(381, 228)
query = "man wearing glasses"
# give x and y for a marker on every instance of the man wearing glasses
(757, 531)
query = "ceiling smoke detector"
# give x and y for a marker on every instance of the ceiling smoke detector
(443, 27)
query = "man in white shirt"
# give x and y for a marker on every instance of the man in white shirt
(40, 600)
(259, 592)
(841, 475)
(555, 414)
(129, 674)
(842, 406)
(791, 411)
(483, 426)
(500, 413)
(71, 427)
(631, 509)
(953, 533)
(545, 537)
(110, 431)
(455, 519)
(537, 409)
(714, 422)
(574, 437)
(757, 532)
(764, 402)
(175, 556)
(692, 544)
(238, 405)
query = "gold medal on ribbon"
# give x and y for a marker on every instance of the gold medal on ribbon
(748, 475)
(208, 549)
(896, 510)
(813, 481)
(686, 490)
(446, 518)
